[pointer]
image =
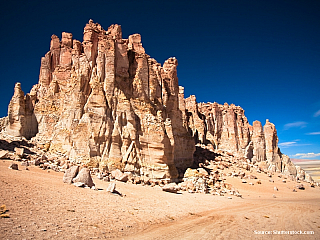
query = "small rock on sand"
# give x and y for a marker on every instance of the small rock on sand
(25, 164)
(112, 187)
(301, 187)
(13, 166)
(171, 187)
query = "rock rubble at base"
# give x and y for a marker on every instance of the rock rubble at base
(208, 178)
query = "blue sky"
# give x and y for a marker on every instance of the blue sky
(261, 55)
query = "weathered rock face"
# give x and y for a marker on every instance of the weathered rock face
(258, 143)
(21, 119)
(3, 123)
(106, 103)
(225, 127)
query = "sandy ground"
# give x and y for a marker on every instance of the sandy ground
(41, 206)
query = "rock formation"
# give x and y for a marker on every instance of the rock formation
(104, 102)
(21, 119)
(225, 127)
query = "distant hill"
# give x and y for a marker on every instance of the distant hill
(296, 160)
(310, 166)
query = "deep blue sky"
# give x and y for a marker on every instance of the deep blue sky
(261, 55)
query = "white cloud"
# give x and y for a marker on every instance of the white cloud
(317, 113)
(306, 155)
(295, 124)
(286, 144)
(313, 133)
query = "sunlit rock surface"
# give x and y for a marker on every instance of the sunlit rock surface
(106, 103)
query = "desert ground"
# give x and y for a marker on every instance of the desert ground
(41, 206)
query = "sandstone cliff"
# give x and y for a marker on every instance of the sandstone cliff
(225, 127)
(106, 103)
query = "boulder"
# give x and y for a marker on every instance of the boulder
(112, 187)
(70, 174)
(19, 151)
(191, 173)
(203, 172)
(3, 154)
(190, 185)
(37, 162)
(308, 178)
(13, 166)
(100, 176)
(171, 187)
(25, 164)
(263, 166)
(84, 176)
(118, 175)
(301, 187)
